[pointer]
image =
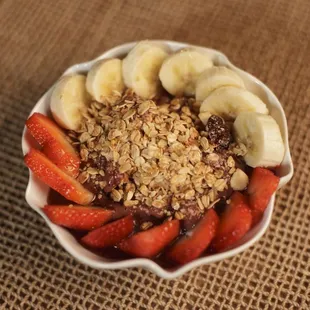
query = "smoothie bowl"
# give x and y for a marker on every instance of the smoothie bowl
(156, 154)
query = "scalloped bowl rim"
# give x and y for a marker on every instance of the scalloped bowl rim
(37, 192)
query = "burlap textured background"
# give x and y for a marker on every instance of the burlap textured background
(40, 39)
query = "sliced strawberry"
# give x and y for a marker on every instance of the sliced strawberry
(78, 217)
(51, 175)
(263, 183)
(196, 241)
(150, 242)
(55, 144)
(67, 162)
(110, 234)
(256, 216)
(234, 223)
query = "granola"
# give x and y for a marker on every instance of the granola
(162, 154)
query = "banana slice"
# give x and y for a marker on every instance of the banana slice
(261, 135)
(229, 101)
(104, 78)
(141, 67)
(179, 72)
(69, 97)
(214, 78)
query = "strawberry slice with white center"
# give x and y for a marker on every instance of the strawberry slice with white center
(235, 222)
(151, 242)
(196, 241)
(109, 234)
(55, 178)
(78, 217)
(55, 144)
(263, 183)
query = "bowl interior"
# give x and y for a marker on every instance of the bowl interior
(37, 192)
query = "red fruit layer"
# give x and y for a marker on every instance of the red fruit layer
(51, 175)
(263, 183)
(196, 241)
(150, 242)
(78, 217)
(109, 234)
(55, 144)
(234, 223)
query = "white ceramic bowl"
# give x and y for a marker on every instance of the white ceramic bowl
(36, 193)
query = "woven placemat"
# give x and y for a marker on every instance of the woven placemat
(40, 39)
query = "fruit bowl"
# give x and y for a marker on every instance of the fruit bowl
(37, 192)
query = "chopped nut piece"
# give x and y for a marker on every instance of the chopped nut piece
(239, 181)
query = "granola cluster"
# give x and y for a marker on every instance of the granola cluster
(160, 149)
